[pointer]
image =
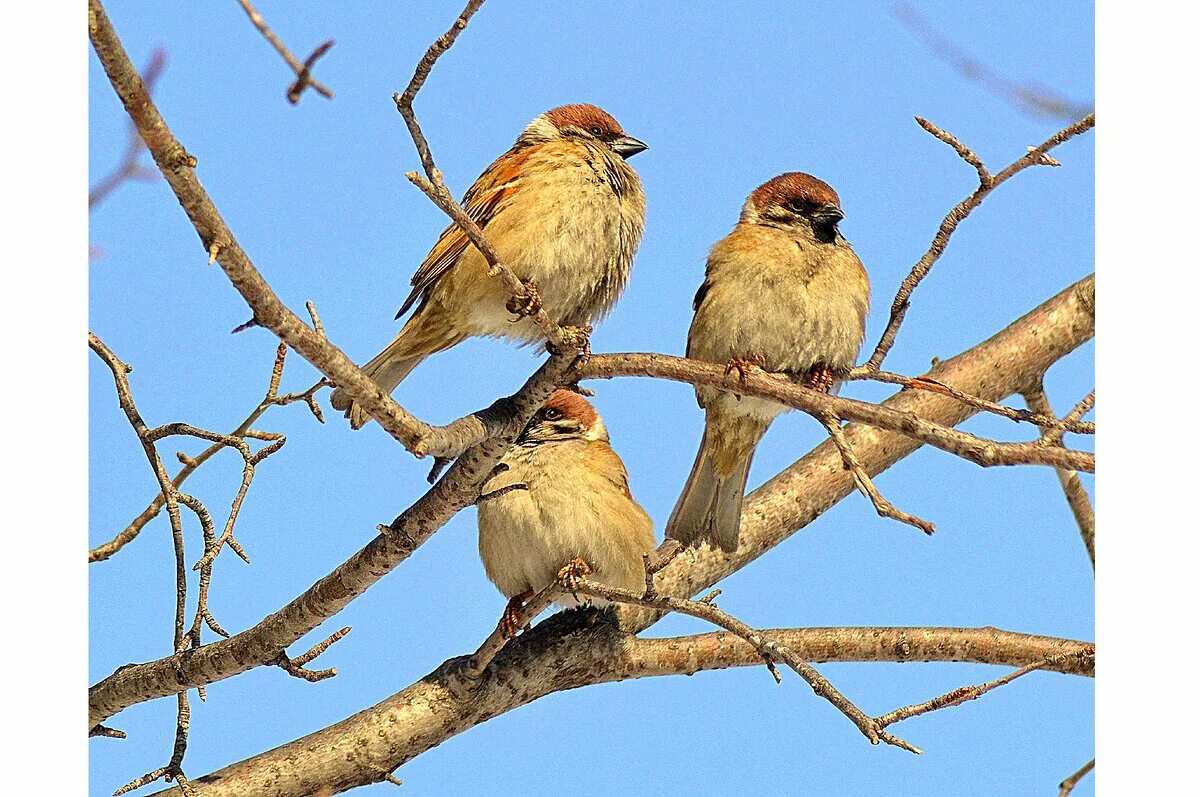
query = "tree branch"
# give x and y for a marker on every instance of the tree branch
(1076, 494)
(996, 368)
(987, 183)
(303, 71)
(562, 653)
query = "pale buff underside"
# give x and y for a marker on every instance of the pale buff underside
(566, 229)
(808, 307)
(571, 509)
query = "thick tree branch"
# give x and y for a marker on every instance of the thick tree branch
(564, 653)
(1003, 365)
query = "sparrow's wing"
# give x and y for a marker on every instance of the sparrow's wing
(610, 466)
(488, 196)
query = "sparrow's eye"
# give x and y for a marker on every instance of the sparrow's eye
(550, 414)
(595, 130)
(797, 206)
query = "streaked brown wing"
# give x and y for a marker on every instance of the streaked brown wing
(483, 200)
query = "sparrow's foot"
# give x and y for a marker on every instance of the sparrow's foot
(510, 620)
(743, 365)
(820, 378)
(574, 339)
(571, 577)
(527, 304)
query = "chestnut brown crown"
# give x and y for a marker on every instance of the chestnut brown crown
(794, 188)
(565, 415)
(796, 198)
(585, 116)
(586, 121)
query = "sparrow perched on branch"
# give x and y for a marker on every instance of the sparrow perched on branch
(561, 495)
(783, 291)
(562, 209)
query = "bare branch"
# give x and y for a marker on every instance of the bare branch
(762, 384)
(1069, 784)
(1076, 494)
(769, 649)
(190, 464)
(963, 694)
(219, 242)
(987, 183)
(525, 300)
(863, 481)
(296, 666)
(303, 71)
(1044, 420)
(564, 652)
(786, 503)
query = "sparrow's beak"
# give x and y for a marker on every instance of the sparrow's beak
(828, 214)
(627, 146)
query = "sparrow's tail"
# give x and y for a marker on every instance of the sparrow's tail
(423, 335)
(710, 507)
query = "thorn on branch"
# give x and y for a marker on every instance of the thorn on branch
(253, 322)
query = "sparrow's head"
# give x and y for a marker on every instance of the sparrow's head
(581, 121)
(565, 416)
(797, 201)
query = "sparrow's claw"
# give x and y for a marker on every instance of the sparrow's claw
(510, 620)
(819, 378)
(572, 576)
(528, 304)
(743, 365)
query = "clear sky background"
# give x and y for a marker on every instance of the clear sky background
(726, 95)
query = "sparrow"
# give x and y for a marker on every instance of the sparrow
(561, 495)
(783, 291)
(562, 208)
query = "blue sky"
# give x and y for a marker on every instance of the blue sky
(726, 96)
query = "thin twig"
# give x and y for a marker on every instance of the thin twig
(1053, 436)
(1072, 486)
(190, 464)
(1036, 156)
(295, 666)
(863, 480)
(770, 650)
(1069, 784)
(303, 71)
(1036, 417)
(963, 694)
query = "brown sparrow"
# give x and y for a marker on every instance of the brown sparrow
(783, 291)
(562, 209)
(563, 494)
